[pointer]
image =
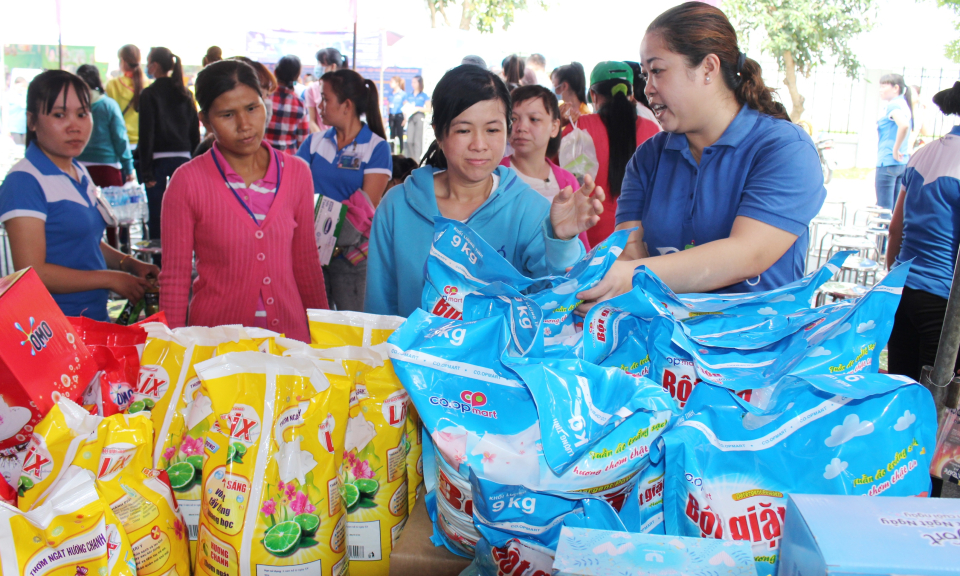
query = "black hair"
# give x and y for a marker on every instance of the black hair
(639, 84)
(550, 104)
(537, 59)
(170, 62)
(268, 82)
(902, 89)
(513, 70)
(619, 116)
(223, 76)
(948, 101)
(402, 167)
(44, 90)
(459, 89)
(287, 70)
(350, 85)
(419, 80)
(575, 78)
(328, 56)
(214, 54)
(91, 75)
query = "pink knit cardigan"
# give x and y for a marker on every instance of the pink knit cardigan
(236, 259)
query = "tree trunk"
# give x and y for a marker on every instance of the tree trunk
(790, 79)
(466, 17)
(433, 13)
(443, 13)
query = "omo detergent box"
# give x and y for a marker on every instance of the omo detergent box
(41, 357)
(588, 552)
(878, 536)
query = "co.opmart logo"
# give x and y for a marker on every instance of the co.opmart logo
(468, 402)
(38, 336)
(473, 399)
(450, 290)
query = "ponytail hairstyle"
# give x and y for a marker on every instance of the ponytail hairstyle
(513, 70)
(902, 90)
(268, 82)
(550, 104)
(44, 90)
(91, 75)
(214, 54)
(130, 55)
(575, 77)
(287, 70)
(170, 63)
(459, 89)
(948, 101)
(619, 116)
(695, 30)
(223, 76)
(332, 56)
(349, 85)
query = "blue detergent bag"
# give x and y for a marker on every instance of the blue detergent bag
(730, 465)
(787, 299)
(615, 333)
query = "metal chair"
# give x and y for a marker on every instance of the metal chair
(839, 291)
(858, 270)
(874, 210)
(863, 245)
(838, 232)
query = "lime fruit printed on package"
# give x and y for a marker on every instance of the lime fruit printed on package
(528, 433)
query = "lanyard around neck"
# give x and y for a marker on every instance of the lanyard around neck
(223, 175)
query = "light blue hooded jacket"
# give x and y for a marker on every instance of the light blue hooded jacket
(515, 220)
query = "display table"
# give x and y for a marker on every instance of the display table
(415, 554)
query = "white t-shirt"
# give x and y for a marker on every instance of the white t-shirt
(547, 188)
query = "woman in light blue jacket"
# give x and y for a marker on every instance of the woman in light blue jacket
(461, 180)
(107, 155)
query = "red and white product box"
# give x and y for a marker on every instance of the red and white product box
(41, 357)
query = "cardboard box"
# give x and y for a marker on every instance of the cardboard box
(847, 535)
(415, 554)
(587, 552)
(41, 357)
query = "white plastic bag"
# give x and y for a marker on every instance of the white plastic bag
(578, 155)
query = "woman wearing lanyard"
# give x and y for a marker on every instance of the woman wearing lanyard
(351, 165)
(723, 197)
(246, 211)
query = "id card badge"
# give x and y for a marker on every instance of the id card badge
(349, 162)
(329, 216)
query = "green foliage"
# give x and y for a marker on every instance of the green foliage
(809, 29)
(952, 49)
(490, 13)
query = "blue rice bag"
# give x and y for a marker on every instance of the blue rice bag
(729, 465)
(787, 299)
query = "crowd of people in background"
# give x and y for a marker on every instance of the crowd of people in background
(686, 147)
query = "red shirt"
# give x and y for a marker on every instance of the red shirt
(594, 126)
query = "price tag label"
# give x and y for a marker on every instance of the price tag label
(329, 216)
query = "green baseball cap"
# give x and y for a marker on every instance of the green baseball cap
(610, 70)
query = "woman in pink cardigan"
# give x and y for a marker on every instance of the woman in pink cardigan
(534, 137)
(246, 212)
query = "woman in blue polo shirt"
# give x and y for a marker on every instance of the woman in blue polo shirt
(893, 131)
(398, 98)
(723, 197)
(926, 229)
(421, 105)
(49, 205)
(351, 164)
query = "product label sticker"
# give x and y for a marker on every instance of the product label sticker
(363, 541)
(328, 220)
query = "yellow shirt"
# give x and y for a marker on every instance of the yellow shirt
(121, 90)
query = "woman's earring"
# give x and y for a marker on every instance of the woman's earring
(708, 79)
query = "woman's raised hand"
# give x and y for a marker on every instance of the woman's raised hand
(574, 212)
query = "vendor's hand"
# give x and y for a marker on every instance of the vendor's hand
(570, 112)
(128, 286)
(131, 177)
(574, 212)
(143, 270)
(150, 184)
(897, 156)
(619, 280)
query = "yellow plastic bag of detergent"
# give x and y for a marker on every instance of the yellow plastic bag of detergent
(374, 472)
(414, 433)
(140, 496)
(335, 328)
(167, 388)
(74, 532)
(271, 492)
(66, 435)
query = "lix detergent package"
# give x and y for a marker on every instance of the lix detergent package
(598, 552)
(270, 486)
(730, 465)
(73, 532)
(335, 328)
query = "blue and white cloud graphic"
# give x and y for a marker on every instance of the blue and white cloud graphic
(842, 330)
(784, 298)
(818, 351)
(768, 311)
(568, 287)
(549, 306)
(861, 328)
(905, 421)
(850, 429)
(834, 469)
